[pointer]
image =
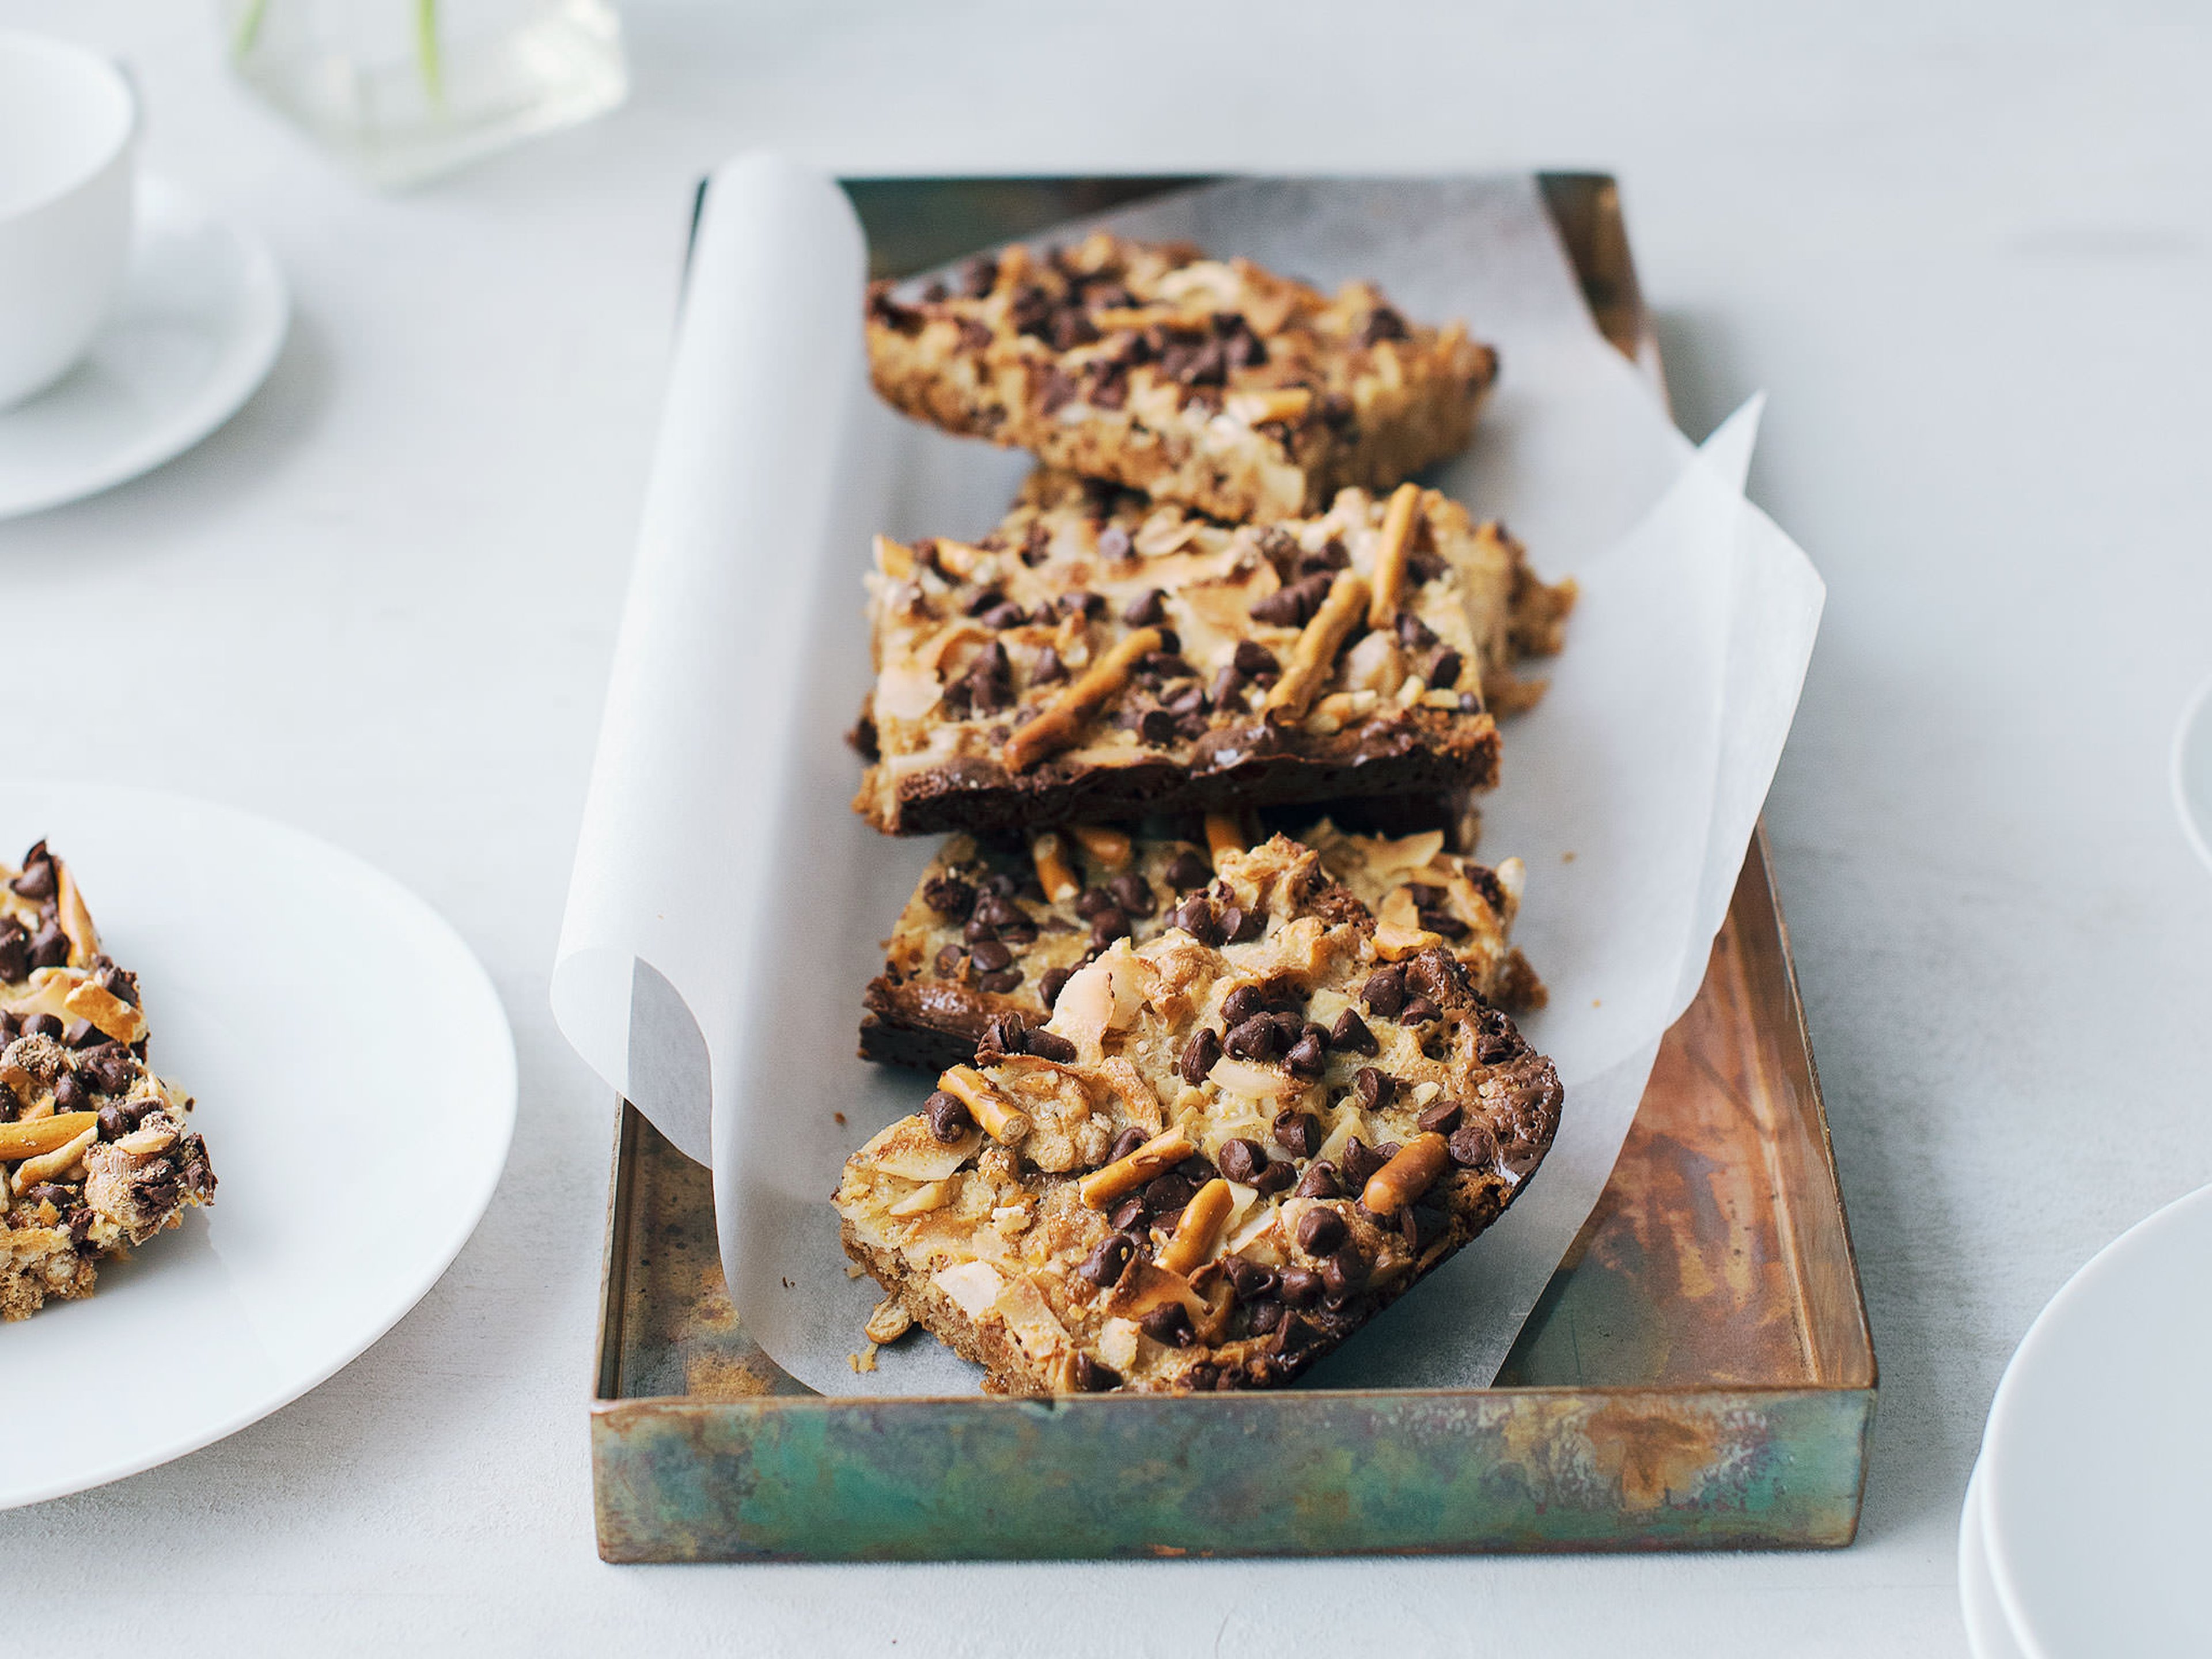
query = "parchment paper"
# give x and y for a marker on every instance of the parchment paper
(726, 905)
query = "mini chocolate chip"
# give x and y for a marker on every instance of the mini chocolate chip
(1474, 1147)
(1148, 609)
(1197, 1171)
(1300, 1287)
(1240, 926)
(1428, 975)
(1298, 1133)
(1126, 1142)
(1091, 900)
(1249, 1278)
(1320, 1182)
(1417, 1010)
(46, 1190)
(950, 1119)
(80, 1225)
(1107, 925)
(1241, 1004)
(46, 1025)
(1105, 1264)
(1194, 916)
(1157, 727)
(1257, 1039)
(1048, 669)
(1494, 1047)
(1127, 1215)
(1320, 1232)
(1167, 1220)
(1443, 673)
(1133, 894)
(977, 928)
(1168, 1192)
(1169, 1322)
(1351, 1034)
(14, 950)
(1224, 692)
(1000, 982)
(1052, 984)
(948, 895)
(1199, 1055)
(949, 960)
(1358, 1162)
(1385, 991)
(1263, 1316)
(50, 946)
(68, 1094)
(1306, 1058)
(990, 956)
(1253, 660)
(1003, 1034)
(1342, 1273)
(157, 1195)
(1441, 1118)
(1273, 1177)
(111, 1071)
(999, 909)
(1284, 608)
(1050, 1045)
(83, 1034)
(1242, 1159)
(37, 881)
(1092, 1377)
(1373, 1088)
(1188, 869)
(114, 1123)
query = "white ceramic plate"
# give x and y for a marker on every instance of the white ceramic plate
(333, 1030)
(1987, 1631)
(2193, 772)
(201, 316)
(2099, 1453)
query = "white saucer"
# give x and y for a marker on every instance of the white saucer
(357, 1086)
(198, 324)
(2192, 771)
(1987, 1631)
(2099, 1453)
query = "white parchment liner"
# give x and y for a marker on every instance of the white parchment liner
(726, 905)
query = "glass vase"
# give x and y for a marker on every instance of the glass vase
(402, 90)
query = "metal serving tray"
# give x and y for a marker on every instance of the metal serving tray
(1698, 1374)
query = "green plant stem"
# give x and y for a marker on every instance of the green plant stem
(426, 49)
(249, 29)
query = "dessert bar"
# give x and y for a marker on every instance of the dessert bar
(1210, 382)
(94, 1156)
(994, 932)
(1229, 1147)
(1098, 658)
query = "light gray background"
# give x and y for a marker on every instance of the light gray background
(1966, 248)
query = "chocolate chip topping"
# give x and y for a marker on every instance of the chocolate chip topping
(1306, 1058)
(15, 949)
(1319, 1182)
(1474, 1147)
(1148, 609)
(1188, 869)
(37, 882)
(1169, 1322)
(1298, 1133)
(1200, 1054)
(1092, 1377)
(1050, 1045)
(950, 1119)
(1133, 894)
(50, 946)
(1349, 1033)
(1385, 991)
(1242, 1160)
(1106, 1264)
(1320, 1232)
(1441, 1118)
(1373, 1088)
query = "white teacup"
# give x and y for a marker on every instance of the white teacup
(67, 120)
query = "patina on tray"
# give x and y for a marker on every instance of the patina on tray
(1698, 1374)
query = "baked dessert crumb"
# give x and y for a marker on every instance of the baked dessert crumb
(1096, 658)
(1230, 1148)
(95, 1157)
(1211, 382)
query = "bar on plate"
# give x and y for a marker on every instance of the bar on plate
(95, 1155)
(1099, 658)
(992, 933)
(1210, 382)
(1231, 1146)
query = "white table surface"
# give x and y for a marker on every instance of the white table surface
(1967, 255)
